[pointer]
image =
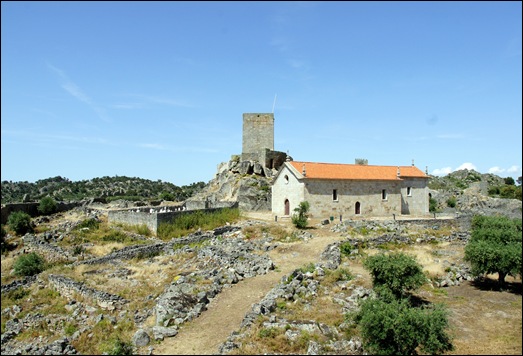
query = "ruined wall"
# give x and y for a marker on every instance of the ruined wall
(153, 217)
(258, 135)
(32, 208)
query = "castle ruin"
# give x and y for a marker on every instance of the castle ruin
(258, 140)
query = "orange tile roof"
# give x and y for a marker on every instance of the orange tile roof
(316, 170)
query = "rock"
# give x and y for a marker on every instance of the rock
(141, 338)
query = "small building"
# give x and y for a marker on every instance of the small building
(350, 190)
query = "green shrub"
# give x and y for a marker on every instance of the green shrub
(78, 250)
(119, 347)
(29, 265)
(90, 223)
(394, 274)
(299, 218)
(433, 205)
(395, 328)
(346, 248)
(451, 202)
(167, 196)
(47, 206)
(19, 222)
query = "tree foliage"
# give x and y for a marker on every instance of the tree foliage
(29, 264)
(395, 328)
(495, 246)
(299, 218)
(47, 206)
(19, 222)
(395, 273)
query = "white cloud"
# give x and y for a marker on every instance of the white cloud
(441, 171)
(496, 170)
(466, 165)
(514, 169)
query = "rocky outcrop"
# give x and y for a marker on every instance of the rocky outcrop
(245, 182)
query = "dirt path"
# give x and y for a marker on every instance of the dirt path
(484, 322)
(226, 311)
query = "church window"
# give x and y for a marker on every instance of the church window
(409, 191)
(384, 194)
(335, 194)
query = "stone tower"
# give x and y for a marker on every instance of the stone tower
(258, 135)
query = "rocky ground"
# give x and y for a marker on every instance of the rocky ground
(214, 292)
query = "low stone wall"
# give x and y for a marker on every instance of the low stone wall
(153, 217)
(67, 287)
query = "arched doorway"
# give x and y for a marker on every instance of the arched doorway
(287, 207)
(357, 208)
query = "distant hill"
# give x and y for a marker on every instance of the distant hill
(111, 188)
(251, 190)
(487, 184)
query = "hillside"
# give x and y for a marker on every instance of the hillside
(111, 188)
(117, 289)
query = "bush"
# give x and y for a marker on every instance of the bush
(395, 328)
(346, 248)
(119, 347)
(394, 274)
(451, 202)
(47, 206)
(19, 222)
(433, 205)
(29, 265)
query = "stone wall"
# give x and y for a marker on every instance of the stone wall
(417, 203)
(258, 135)
(32, 208)
(153, 217)
(286, 187)
(368, 194)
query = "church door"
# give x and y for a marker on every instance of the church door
(287, 207)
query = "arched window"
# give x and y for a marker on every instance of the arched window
(357, 208)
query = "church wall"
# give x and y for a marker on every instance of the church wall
(282, 189)
(319, 194)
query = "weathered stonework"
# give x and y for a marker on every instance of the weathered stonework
(152, 217)
(354, 198)
(258, 135)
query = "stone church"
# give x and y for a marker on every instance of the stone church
(350, 190)
(333, 189)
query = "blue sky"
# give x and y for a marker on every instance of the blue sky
(157, 90)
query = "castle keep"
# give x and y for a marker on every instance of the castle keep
(258, 135)
(258, 140)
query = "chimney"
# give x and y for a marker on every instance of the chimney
(398, 173)
(303, 172)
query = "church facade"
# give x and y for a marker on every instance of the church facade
(350, 190)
